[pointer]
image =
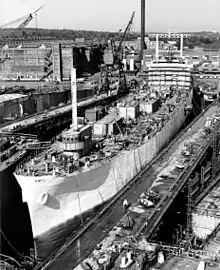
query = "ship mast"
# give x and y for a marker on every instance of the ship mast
(74, 99)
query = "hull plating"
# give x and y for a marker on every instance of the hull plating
(54, 200)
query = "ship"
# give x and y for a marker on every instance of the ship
(92, 161)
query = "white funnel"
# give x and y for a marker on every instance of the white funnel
(74, 98)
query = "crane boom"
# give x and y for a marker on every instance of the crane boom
(24, 21)
(127, 29)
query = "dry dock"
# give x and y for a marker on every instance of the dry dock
(34, 119)
(75, 252)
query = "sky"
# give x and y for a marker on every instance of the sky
(112, 15)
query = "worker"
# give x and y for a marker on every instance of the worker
(125, 204)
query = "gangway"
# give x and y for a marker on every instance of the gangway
(22, 135)
(180, 251)
(190, 253)
(38, 145)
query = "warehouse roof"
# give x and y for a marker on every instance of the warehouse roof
(9, 97)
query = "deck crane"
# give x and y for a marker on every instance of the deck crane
(24, 21)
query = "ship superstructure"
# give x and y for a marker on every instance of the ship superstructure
(89, 164)
(163, 74)
(169, 69)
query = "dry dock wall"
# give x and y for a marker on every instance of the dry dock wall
(38, 103)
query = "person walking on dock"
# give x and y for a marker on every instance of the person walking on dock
(125, 204)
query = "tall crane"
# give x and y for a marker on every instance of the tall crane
(23, 21)
(116, 65)
(117, 52)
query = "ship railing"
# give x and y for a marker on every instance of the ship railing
(38, 145)
(33, 153)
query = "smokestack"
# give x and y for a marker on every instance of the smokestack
(74, 99)
(142, 27)
(157, 47)
(181, 45)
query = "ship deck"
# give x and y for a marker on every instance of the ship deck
(146, 126)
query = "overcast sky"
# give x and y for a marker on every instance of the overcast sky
(161, 15)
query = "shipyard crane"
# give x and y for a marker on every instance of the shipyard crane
(23, 21)
(116, 64)
(117, 52)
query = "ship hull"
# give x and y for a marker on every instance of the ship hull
(54, 200)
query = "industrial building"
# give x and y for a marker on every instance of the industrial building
(207, 58)
(13, 106)
(49, 61)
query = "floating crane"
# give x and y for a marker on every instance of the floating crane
(23, 21)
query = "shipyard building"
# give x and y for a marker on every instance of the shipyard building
(49, 61)
(13, 106)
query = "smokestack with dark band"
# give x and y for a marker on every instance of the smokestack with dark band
(142, 27)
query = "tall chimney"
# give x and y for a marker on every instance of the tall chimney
(157, 47)
(181, 45)
(142, 27)
(74, 99)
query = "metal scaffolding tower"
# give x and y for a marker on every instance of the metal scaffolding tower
(190, 206)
